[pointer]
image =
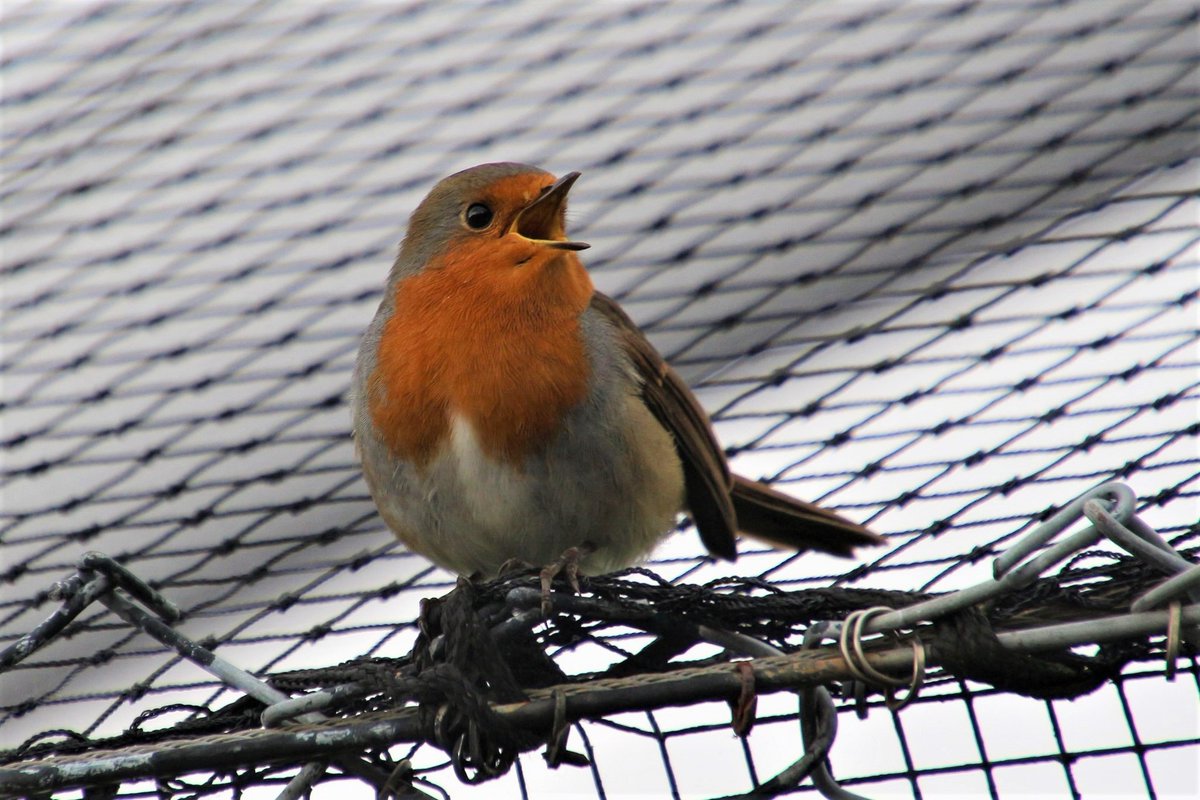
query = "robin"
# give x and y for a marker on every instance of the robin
(505, 411)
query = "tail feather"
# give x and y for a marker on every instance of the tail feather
(784, 521)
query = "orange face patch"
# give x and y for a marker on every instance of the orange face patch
(490, 332)
(517, 191)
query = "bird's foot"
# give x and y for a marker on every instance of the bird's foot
(568, 564)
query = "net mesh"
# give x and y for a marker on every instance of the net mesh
(930, 263)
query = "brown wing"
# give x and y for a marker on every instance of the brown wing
(707, 482)
(721, 504)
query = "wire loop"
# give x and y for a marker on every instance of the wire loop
(851, 646)
(1174, 635)
(559, 730)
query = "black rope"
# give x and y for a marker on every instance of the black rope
(468, 657)
(966, 646)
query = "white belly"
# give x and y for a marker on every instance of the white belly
(621, 493)
(496, 497)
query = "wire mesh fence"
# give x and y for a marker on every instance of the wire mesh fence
(932, 264)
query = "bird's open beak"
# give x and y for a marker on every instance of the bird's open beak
(541, 222)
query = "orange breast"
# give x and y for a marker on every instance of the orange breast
(497, 344)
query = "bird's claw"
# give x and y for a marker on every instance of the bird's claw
(568, 564)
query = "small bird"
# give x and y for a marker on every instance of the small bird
(505, 411)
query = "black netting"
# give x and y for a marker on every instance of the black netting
(930, 263)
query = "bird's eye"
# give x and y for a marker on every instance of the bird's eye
(478, 216)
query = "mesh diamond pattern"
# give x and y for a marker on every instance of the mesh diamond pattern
(931, 263)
